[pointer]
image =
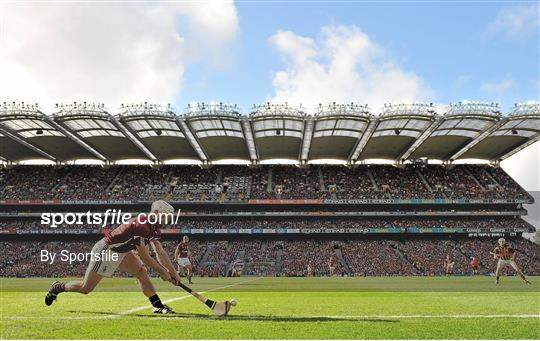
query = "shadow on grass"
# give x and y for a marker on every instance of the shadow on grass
(243, 317)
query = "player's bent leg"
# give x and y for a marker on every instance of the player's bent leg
(135, 267)
(84, 286)
(498, 270)
(519, 272)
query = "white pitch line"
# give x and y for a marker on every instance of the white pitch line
(127, 312)
(355, 317)
(458, 316)
(271, 318)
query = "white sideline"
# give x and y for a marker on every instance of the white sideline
(457, 316)
(127, 312)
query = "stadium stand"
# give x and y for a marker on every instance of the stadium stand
(233, 183)
(133, 182)
(313, 223)
(269, 219)
(349, 183)
(312, 214)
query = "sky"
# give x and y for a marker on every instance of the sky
(302, 53)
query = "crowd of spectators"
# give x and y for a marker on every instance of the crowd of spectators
(193, 183)
(86, 183)
(354, 257)
(302, 256)
(452, 184)
(259, 183)
(429, 255)
(375, 257)
(32, 224)
(510, 188)
(258, 257)
(491, 188)
(23, 259)
(133, 181)
(295, 183)
(349, 183)
(400, 183)
(31, 182)
(313, 223)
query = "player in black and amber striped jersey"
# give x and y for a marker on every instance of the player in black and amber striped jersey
(448, 265)
(506, 256)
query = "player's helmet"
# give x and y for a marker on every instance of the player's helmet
(162, 207)
(501, 241)
(164, 212)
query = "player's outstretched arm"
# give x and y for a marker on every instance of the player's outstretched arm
(163, 259)
(144, 254)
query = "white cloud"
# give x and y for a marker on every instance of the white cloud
(343, 64)
(107, 52)
(498, 87)
(516, 22)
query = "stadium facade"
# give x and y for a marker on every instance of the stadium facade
(213, 132)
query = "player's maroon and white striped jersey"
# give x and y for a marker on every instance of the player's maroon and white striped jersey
(183, 250)
(127, 237)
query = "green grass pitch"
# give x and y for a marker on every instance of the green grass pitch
(281, 308)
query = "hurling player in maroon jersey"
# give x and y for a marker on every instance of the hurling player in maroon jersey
(130, 242)
(182, 254)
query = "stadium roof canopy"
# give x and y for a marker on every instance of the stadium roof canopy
(103, 132)
(214, 132)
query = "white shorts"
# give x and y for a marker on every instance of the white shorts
(502, 263)
(183, 262)
(108, 266)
